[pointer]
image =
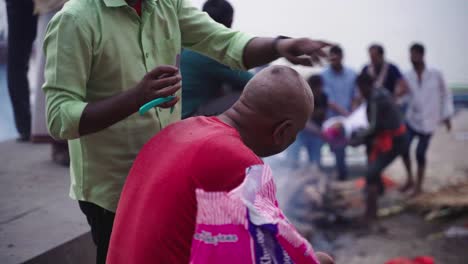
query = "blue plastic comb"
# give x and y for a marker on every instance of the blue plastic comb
(146, 107)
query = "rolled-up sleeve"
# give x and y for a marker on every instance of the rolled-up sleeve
(204, 35)
(68, 62)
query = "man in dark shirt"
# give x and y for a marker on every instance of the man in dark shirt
(311, 136)
(320, 100)
(384, 74)
(385, 138)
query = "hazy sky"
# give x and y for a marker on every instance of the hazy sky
(442, 25)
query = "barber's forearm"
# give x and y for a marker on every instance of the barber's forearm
(260, 51)
(102, 114)
(160, 82)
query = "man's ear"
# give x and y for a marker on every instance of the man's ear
(283, 132)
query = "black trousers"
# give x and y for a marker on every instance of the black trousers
(101, 222)
(22, 28)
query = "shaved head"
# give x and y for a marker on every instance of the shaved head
(278, 92)
(272, 109)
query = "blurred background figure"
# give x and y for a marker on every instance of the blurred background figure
(22, 27)
(385, 74)
(430, 103)
(388, 76)
(311, 136)
(46, 9)
(340, 87)
(209, 87)
(27, 22)
(385, 138)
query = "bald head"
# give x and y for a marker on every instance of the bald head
(278, 92)
(272, 109)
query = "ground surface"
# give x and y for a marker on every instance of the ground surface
(407, 233)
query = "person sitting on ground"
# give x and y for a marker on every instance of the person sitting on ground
(385, 137)
(157, 213)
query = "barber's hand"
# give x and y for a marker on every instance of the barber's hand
(303, 51)
(160, 82)
(448, 124)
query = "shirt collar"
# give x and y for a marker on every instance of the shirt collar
(332, 71)
(424, 72)
(118, 3)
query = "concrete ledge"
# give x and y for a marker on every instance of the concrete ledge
(77, 251)
(36, 214)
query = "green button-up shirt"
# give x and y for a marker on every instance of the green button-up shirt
(98, 48)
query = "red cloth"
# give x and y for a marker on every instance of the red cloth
(137, 7)
(417, 260)
(360, 182)
(400, 261)
(424, 260)
(384, 141)
(155, 219)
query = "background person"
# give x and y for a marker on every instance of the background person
(385, 74)
(311, 136)
(340, 87)
(22, 28)
(203, 78)
(430, 103)
(385, 138)
(46, 9)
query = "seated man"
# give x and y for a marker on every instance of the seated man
(159, 209)
(385, 138)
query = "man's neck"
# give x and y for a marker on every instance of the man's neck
(378, 67)
(232, 117)
(337, 68)
(229, 118)
(419, 68)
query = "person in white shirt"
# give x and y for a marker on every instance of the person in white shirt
(430, 104)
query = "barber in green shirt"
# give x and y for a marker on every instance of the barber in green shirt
(106, 58)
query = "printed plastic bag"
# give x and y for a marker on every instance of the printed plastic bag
(246, 226)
